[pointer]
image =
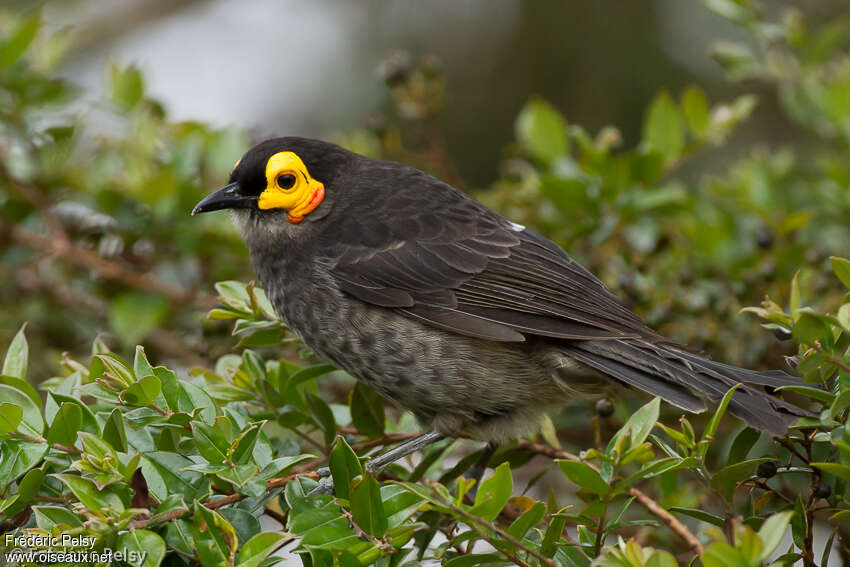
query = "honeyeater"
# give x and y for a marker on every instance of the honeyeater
(472, 322)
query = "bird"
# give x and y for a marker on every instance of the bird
(475, 324)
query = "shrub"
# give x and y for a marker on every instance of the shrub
(181, 461)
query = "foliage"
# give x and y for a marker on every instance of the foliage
(182, 461)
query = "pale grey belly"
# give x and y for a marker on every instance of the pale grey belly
(431, 372)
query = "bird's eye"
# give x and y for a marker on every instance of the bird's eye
(285, 181)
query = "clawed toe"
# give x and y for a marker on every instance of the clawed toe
(325, 486)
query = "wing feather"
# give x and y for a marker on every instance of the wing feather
(441, 257)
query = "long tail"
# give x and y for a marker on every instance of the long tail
(685, 380)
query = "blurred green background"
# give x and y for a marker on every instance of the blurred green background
(693, 154)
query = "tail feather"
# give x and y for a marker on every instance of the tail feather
(684, 379)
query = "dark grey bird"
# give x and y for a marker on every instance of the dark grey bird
(475, 324)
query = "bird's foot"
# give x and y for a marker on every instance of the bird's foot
(326, 482)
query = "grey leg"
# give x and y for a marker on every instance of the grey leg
(376, 464)
(410, 446)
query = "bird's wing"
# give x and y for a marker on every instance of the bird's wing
(446, 259)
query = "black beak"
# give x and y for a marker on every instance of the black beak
(228, 197)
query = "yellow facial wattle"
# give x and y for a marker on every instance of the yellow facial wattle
(301, 198)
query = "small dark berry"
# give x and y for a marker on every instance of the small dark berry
(604, 408)
(766, 469)
(823, 490)
(764, 238)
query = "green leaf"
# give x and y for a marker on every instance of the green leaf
(132, 315)
(28, 488)
(663, 127)
(367, 411)
(844, 316)
(812, 392)
(795, 295)
(32, 423)
(727, 478)
(170, 387)
(126, 88)
(113, 364)
(48, 516)
(542, 131)
(528, 520)
(256, 549)
(89, 495)
(553, 534)
(164, 474)
(714, 422)
(90, 423)
(23, 386)
(243, 447)
(733, 10)
(771, 533)
(244, 522)
(809, 328)
(493, 493)
(656, 468)
(190, 397)
(15, 363)
(840, 266)
(584, 476)
(281, 465)
(741, 446)
(695, 108)
(835, 469)
(366, 506)
(142, 393)
(661, 559)
(114, 431)
(211, 444)
(639, 425)
(310, 373)
(66, 424)
(19, 40)
(141, 366)
(699, 515)
(17, 457)
(96, 447)
(214, 537)
(323, 416)
(145, 544)
(724, 555)
(10, 417)
(344, 466)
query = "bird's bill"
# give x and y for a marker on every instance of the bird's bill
(228, 197)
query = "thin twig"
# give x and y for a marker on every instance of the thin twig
(645, 500)
(43, 441)
(178, 513)
(379, 543)
(106, 268)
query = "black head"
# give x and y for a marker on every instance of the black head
(281, 174)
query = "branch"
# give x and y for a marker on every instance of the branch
(170, 343)
(178, 513)
(68, 252)
(379, 543)
(645, 500)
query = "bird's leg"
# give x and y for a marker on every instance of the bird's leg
(410, 446)
(476, 471)
(374, 465)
